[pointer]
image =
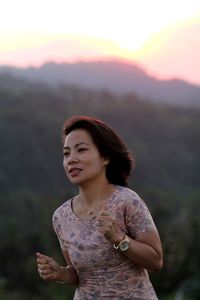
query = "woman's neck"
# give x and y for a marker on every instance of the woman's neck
(92, 193)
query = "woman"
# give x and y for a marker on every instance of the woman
(106, 232)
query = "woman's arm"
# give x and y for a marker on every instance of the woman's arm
(50, 270)
(146, 251)
(71, 274)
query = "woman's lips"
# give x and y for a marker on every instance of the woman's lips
(74, 172)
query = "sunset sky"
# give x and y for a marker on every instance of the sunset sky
(163, 36)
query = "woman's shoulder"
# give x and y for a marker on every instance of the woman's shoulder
(62, 210)
(128, 198)
(127, 194)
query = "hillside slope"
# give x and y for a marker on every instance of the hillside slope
(114, 76)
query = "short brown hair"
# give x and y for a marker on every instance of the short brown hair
(109, 145)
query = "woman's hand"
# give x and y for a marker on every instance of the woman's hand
(48, 268)
(108, 226)
(146, 251)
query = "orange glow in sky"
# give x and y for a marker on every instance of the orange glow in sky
(34, 32)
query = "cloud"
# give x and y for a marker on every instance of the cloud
(175, 53)
(170, 54)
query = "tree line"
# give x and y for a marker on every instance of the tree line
(166, 147)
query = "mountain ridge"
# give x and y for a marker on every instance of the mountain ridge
(116, 76)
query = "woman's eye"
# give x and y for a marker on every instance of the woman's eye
(66, 153)
(82, 149)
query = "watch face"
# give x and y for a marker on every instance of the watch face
(124, 246)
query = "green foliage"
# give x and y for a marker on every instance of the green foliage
(165, 141)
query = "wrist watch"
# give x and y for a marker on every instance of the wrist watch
(123, 245)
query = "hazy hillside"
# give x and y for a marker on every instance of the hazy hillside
(165, 141)
(32, 114)
(114, 76)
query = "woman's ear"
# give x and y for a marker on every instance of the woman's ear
(106, 161)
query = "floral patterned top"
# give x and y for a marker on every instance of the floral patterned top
(104, 272)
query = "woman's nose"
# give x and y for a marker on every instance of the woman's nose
(72, 158)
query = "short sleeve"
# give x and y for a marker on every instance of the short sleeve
(137, 217)
(58, 230)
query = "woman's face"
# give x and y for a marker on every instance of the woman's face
(82, 160)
